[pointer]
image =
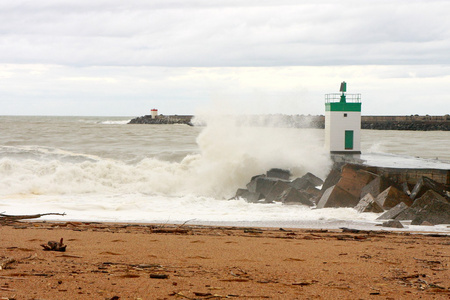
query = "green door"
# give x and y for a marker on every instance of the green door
(349, 139)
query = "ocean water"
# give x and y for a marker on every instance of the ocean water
(102, 169)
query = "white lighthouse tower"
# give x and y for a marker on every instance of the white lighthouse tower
(154, 113)
(343, 122)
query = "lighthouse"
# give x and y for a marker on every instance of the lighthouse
(154, 113)
(343, 122)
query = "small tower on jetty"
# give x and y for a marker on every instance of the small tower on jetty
(343, 122)
(154, 113)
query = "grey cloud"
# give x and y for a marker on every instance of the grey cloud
(224, 33)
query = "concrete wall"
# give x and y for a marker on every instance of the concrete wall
(412, 175)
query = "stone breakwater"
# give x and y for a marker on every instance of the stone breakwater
(419, 195)
(161, 119)
(421, 123)
(416, 122)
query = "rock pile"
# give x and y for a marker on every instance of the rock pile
(352, 185)
(161, 119)
(276, 186)
(406, 125)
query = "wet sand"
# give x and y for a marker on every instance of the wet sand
(130, 261)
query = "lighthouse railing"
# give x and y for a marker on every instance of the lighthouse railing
(336, 97)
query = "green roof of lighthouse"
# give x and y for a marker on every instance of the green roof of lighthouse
(342, 101)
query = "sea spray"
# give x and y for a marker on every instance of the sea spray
(234, 149)
(229, 154)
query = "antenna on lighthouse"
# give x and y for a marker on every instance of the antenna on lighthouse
(343, 89)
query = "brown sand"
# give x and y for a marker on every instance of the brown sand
(117, 261)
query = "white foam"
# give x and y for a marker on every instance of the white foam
(116, 122)
(229, 155)
(112, 121)
(139, 208)
(144, 208)
(402, 161)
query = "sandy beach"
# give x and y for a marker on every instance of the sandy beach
(135, 261)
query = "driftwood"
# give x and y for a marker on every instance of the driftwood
(8, 262)
(5, 263)
(12, 218)
(170, 230)
(54, 246)
(159, 276)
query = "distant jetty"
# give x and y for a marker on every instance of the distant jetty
(162, 119)
(413, 122)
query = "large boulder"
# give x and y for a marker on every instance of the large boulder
(251, 186)
(293, 196)
(347, 190)
(279, 173)
(335, 196)
(301, 183)
(353, 180)
(427, 198)
(261, 184)
(308, 180)
(393, 212)
(313, 191)
(437, 212)
(332, 179)
(368, 204)
(393, 224)
(424, 184)
(316, 181)
(431, 207)
(249, 196)
(376, 186)
(277, 189)
(391, 197)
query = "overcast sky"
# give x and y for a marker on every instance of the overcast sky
(122, 58)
